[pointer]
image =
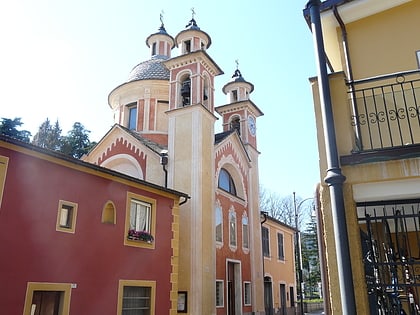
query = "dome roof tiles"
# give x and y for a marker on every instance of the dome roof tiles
(152, 69)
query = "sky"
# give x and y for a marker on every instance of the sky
(59, 59)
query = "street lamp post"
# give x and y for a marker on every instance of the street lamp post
(299, 249)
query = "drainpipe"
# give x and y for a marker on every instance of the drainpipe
(350, 81)
(334, 177)
(164, 162)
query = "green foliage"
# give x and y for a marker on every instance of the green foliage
(310, 257)
(77, 142)
(48, 136)
(9, 127)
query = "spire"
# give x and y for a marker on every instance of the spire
(238, 89)
(161, 43)
(162, 25)
(192, 24)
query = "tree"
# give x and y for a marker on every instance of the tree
(77, 142)
(9, 127)
(310, 256)
(283, 208)
(48, 136)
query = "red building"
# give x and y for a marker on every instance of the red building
(65, 240)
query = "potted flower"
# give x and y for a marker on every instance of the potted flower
(140, 236)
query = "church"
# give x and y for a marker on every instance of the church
(164, 133)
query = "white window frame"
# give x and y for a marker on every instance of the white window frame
(247, 293)
(138, 220)
(418, 58)
(233, 239)
(219, 211)
(282, 246)
(245, 231)
(220, 292)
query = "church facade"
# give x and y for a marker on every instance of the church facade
(164, 133)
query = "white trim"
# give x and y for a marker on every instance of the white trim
(390, 190)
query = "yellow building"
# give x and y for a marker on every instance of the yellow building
(372, 95)
(279, 267)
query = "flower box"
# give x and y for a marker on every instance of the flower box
(140, 236)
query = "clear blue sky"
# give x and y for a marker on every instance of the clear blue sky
(60, 59)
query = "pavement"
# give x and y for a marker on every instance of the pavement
(316, 313)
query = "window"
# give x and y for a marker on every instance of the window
(232, 228)
(219, 293)
(247, 293)
(132, 116)
(4, 161)
(234, 96)
(108, 213)
(245, 232)
(43, 298)
(187, 46)
(418, 58)
(140, 221)
(140, 216)
(219, 224)
(136, 297)
(292, 296)
(226, 182)
(186, 92)
(154, 49)
(66, 217)
(235, 124)
(265, 241)
(280, 245)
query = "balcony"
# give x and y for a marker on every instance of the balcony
(385, 117)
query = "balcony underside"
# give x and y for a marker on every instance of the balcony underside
(388, 154)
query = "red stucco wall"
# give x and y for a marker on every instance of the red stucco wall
(94, 258)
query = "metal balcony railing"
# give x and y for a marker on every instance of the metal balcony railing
(386, 111)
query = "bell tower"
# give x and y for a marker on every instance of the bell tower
(240, 112)
(191, 155)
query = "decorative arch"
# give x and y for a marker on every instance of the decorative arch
(109, 214)
(125, 164)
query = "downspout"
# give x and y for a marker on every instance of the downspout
(334, 177)
(350, 80)
(164, 162)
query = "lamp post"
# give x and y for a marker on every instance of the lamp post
(298, 248)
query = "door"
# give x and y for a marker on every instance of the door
(282, 299)
(231, 288)
(45, 302)
(268, 296)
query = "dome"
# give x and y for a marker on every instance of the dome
(152, 69)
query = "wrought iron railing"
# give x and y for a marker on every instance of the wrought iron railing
(386, 111)
(391, 250)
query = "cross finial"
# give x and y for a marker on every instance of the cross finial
(237, 64)
(161, 16)
(192, 13)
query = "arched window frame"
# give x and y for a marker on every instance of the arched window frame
(235, 123)
(219, 222)
(182, 80)
(226, 182)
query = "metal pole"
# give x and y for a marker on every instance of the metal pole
(298, 255)
(334, 177)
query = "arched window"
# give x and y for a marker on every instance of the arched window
(232, 228)
(226, 182)
(185, 91)
(235, 123)
(245, 231)
(219, 223)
